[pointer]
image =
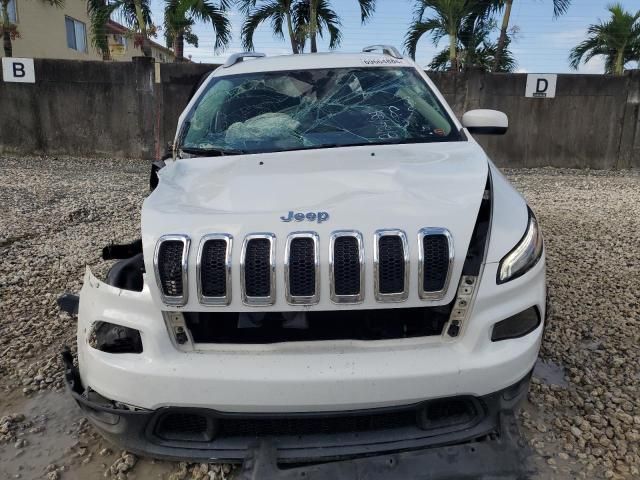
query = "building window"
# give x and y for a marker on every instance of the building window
(13, 17)
(76, 34)
(119, 40)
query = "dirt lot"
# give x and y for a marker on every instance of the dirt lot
(583, 418)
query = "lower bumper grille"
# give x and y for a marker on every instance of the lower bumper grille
(200, 425)
(316, 425)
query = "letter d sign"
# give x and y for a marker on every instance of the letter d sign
(541, 85)
(18, 70)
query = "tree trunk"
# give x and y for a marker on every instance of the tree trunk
(619, 66)
(502, 40)
(142, 25)
(178, 46)
(106, 55)
(8, 48)
(313, 25)
(292, 35)
(453, 54)
(6, 35)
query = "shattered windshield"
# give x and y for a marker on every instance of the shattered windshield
(292, 110)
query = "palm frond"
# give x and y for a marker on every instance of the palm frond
(417, 29)
(327, 18)
(367, 8)
(256, 17)
(440, 63)
(560, 7)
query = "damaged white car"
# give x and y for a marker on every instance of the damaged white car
(329, 263)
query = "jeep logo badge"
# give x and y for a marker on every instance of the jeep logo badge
(310, 216)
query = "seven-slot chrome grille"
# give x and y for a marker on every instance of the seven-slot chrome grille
(392, 271)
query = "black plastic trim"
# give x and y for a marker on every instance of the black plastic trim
(524, 334)
(134, 430)
(488, 130)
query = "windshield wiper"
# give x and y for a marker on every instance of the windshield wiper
(210, 152)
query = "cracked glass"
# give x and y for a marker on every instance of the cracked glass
(293, 110)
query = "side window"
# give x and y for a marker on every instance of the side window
(13, 16)
(120, 40)
(76, 34)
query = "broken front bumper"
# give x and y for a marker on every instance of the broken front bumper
(200, 434)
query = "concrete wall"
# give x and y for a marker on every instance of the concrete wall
(582, 127)
(81, 108)
(125, 109)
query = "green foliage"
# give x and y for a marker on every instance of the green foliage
(476, 49)
(617, 39)
(440, 18)
(181, 15)
(296, 17)
(134, 14)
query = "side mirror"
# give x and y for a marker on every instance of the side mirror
(487, 122)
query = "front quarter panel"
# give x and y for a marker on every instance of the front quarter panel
(509, 219)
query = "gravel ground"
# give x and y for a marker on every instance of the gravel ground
(583, 415)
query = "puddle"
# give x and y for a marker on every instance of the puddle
(57, 416)
(550, 373)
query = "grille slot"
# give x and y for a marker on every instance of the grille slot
(436, 257)
(391, 266)
(170, 264)
(314, 425)
(214, 269)
(185, 427)
(301, 268)
(347, 267)
(258, 269)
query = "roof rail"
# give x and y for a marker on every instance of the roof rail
(239, 57)
(386, 49)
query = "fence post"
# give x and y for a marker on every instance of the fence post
(629, 151)
(144, 71)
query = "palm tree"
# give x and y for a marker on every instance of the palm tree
(476, 50)
(181, 15)
(618, 39)
(559, 7)
(367, 7)
(278, 11)
(296, 15)
(136, 14)
(447, 20)
(9, 30)
(325, 18)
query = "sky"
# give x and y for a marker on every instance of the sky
(541, 45)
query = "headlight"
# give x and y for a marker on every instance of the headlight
(524, 255)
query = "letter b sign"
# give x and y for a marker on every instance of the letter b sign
(18, 70)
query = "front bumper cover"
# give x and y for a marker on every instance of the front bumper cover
(134, 430)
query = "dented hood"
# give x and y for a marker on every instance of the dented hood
(367, 188)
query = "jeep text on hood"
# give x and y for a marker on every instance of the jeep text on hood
(329, 264)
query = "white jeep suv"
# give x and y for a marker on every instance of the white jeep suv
(329, 261)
